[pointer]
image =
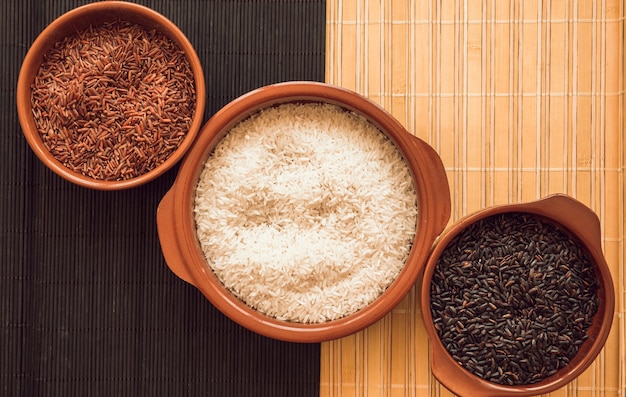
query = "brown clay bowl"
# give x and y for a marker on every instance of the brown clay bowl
(95, 14)
(177, 231)
(576, 220)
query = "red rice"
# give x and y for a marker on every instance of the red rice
(114, 101)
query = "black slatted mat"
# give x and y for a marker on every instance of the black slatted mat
(87, 304)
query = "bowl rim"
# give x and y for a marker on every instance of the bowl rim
(110, 9)
(585, 226)
(198, 273)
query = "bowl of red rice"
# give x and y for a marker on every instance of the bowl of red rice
(304, 211)
(111, 95)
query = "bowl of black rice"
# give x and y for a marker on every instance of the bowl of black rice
(517, 299)
(110, 95)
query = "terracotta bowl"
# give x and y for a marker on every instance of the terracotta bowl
(177, 231)
(577, 221)
(95, 14)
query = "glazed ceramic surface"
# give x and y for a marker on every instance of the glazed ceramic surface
(180, 244)
(582, 223)
(80, 18)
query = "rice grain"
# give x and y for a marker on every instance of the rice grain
(306, 212)
(113, 101)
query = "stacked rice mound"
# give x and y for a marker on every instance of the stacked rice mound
(306, 212)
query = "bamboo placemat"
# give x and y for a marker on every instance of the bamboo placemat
(521, 99)
(88, 306)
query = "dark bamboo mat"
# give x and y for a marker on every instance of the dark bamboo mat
(87, 303)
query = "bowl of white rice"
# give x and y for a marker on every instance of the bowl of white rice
(304, 212)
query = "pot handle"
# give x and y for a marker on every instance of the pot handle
(170, 242)
(438, 188)
(572, 214)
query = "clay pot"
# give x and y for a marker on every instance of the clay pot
(580, 222)
(81, 18)
(180, 244)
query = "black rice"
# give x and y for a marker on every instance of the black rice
(512, 298)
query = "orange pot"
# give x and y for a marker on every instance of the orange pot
(182, 250)
(81, 18)
(580, 222)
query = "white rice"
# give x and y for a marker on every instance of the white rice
(306, 212)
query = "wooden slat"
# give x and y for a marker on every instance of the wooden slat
(520, 99)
